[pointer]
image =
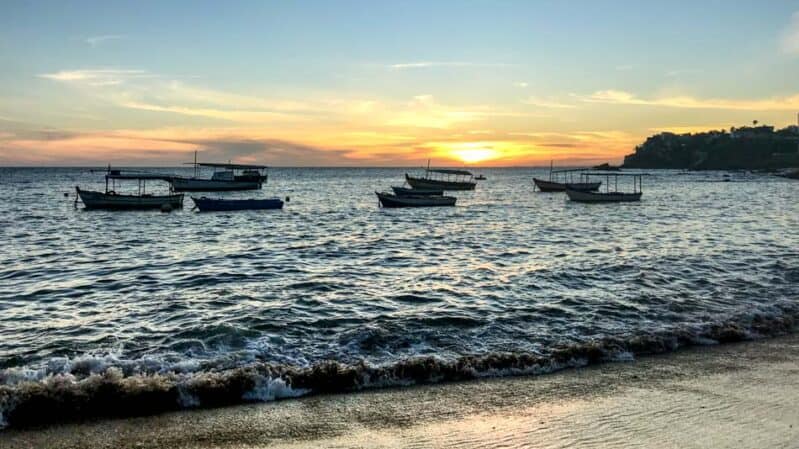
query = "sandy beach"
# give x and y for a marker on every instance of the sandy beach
(742, 395)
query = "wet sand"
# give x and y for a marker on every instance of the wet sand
(742, 395)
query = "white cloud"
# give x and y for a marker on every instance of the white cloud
(621, 97)
(789, 41)
(96, 77)
(431, 64)
(548, 103)
(94, 41)
(521, 84)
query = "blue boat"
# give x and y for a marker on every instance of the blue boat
(218, 204)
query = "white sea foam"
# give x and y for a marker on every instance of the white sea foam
(268, 389)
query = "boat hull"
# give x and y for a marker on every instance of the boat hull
(393, 201)
(549, 186)
(213, 185)
(220, 205)
(113, 201)
(434, 184)
(596, 197)
(402, 191)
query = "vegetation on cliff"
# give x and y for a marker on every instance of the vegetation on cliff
(749, 147)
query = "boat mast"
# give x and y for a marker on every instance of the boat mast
(195, 163)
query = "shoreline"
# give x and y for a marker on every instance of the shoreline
(730, 395)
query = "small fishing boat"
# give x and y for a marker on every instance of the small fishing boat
(220, 204)
(404, 191)
(390, 200)
(110, 199)
(609, 196)
(442, 179)
(480, 178)
(560, 180)
(226, 177)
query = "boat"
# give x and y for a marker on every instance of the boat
(614, 196)
(560, 180)
(480, 178)
(226, 177)
(390, 200)
(404, 191)
(110, 199)
(600, 197)
(442, 179)
(220, 204)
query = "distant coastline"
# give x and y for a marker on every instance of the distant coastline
(745, 148)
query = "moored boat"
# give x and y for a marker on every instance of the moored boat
(608, 196)
(221, 204)
(560, 180)
(442, 179)
(391, 200)
(404, 191)
(110, 199)
(251, 177)
(602, 197)
(115, 201)
(226, 177)
(551, 186)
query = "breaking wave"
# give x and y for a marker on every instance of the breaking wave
(108, 387)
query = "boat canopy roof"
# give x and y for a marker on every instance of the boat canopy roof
(613, 173)
(115, 174)
(232, 166)
(448, 171)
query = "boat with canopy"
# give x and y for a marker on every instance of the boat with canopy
(559, 180)
(225, 177)
(609, 196)
(442, 179)
(110, 199)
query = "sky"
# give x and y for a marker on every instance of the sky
(365, 83)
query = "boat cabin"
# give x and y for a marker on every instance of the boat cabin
(235, 172)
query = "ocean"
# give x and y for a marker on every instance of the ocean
(119, 313)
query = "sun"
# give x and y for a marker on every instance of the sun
(471, 153)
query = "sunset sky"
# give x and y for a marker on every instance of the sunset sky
(342, 83)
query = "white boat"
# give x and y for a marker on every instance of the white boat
(110, 199)
(608, 196)
(226, 177)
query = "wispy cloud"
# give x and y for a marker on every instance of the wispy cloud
(548, 103)
(94, 41)
(621, 97)
(96, 77)
(789, 40)
(144, 91)
(433, 64)
(680, 72)
(521, 84)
